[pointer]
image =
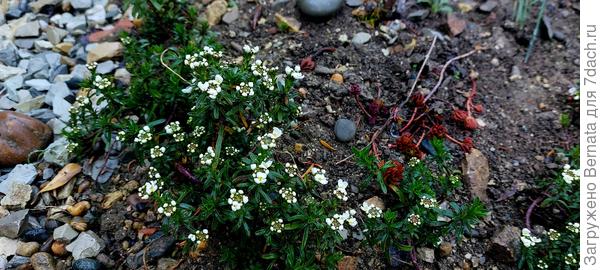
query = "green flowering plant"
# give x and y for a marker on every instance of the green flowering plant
(557, 248)
(423, 212)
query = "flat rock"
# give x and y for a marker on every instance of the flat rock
(21, 174)
(361, 38)
(8, 247)
(319, 8)
(456, 24)
(354, 3)
(87, 244)
(231, 16)
(65, 232)
(156, 249)
(215, 11)
(123, 76)
(86, 264)
(96, 15)
(57, 153)
(8, 71)
(39, 84)
(8, 53)
(11, 225)
(426, 254)
(17, 196)
(104, 51)
(19, 136)
(105, 67)
(42, 261)
(81, 4)
(28, 249)
(506, 244)
(55, 35)
(30, 29)
(59, 89)
(476, 172)
(488, 6)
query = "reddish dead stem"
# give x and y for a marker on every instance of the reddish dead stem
(438, 131)
(406, 145)
(375, 109)
(418, 99)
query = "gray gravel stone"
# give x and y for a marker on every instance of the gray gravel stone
(320, 8)
(105, 67)
(344, 130)
(87, 244)
(12, 225)
(22, 173)
(361, 38)
(81, 4)
(38, 84)
(8, 53)
(30, 29)
(65, 232)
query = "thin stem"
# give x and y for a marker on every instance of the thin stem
(435, 88)
(169, 68)
(536, 30)
(412, 89)
(530, 211)
(361, 106)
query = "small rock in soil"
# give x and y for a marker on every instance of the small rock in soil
(344, 130)
(515, 74)
(426, 254)
(8, 247)
(86, 264)
(376, 201)
(354, 3)
(476, 172)
(57, 153)
(506, 245)
(231, 16)
(291, 22)
(361, 38)
(65, 232)
(166, 264)
(105, 67)
(39, 235)
(11, 225)
(418, 15)
(488, 6)
(445, 249)
(348, 263)
(156, 249)
(215, 11)
(547, 30)
(104, 51)
(87, 244)
(42, 261)
(19, 136)
(28, 249)
(319, 8)
(123, 76)
(456, 24)
(17, 197)
(81, 4)
(30, 29)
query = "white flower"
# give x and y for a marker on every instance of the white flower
(149, 188)
(198, 236)
(340, 192)
(168, 209)
(101, 83)
(144, 135)
(250, 49)
(291, 169)
(237, 199)
(570, 259)
(371, 210)
(260, 177)
(277, 225)
(246, 89)
(428, 202)
(414, 219)
(413, 161)
(288, 195)
(569, 175)
(553, 235)
(528, 239)
(207, 158)
(157, 151)
(319, 176)
(173, 127)
(573, 227)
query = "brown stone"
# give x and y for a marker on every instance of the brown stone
(19, 136)
(476, 172)
(42, 261)
(506, 245)
(455, 24)
(445, 249)
(348, 263)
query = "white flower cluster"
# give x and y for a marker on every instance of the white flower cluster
(237, 199)
(340, 191)
(199, 59)
(542, 265)
(192, 147)
(212, 87)
(231, 151)
(277, 225)
(414, 219)
(198, 236)
(288, 194)
(246, 89)
(121, 136)
(263, 120)
(149, 188)
(574, 92)
(153, 173)
(573, 227)
(528, 239)
(198, 131)
(207, 158)
(157, 151)
(261, 171)
(413, 161)
(337, 221)
(91, 66)
(371, 210)
(80, 101)
(261, 69)
(101, 83)
(428, 202)
(267, 141)
(144, 135)
(553, 235)
(168, 208)
(174, 128)
(250, 49)
(294, 72)
(290, 169)
(570, 259)
(319, 175)
(570, 175)
(71, 146)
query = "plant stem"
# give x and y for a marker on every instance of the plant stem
(530, 211)
(536, 30)
(412, 88)
(435, 88)
(218, 147)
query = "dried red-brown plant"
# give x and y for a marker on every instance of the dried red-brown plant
(418, 99)
(393, 175)
(470, 123)
(354, 89)
(459, 115)
(467, 145)
(406, 145)
(307, 64)
(375, 109)
(438, 131)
